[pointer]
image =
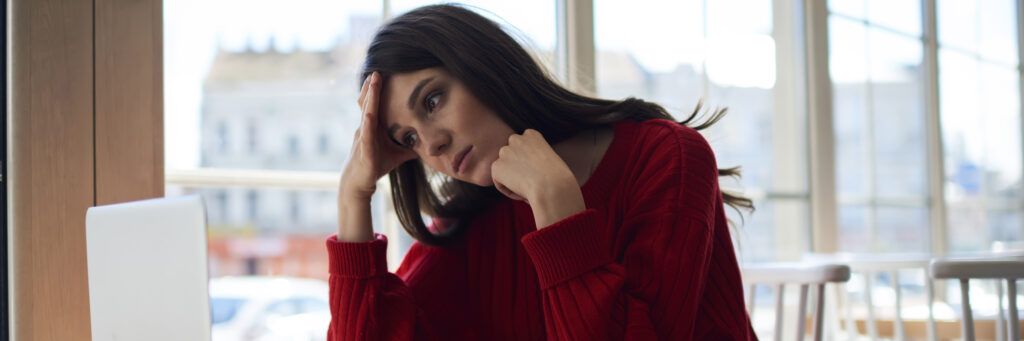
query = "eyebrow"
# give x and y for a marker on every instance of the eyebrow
(411, 103)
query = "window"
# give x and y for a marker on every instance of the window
(981, 128)
(875, 56)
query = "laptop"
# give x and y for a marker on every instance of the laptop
(147, 268)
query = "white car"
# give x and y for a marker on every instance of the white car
(269, 308)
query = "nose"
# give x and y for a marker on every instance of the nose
(436, 142)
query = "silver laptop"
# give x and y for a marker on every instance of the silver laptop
(148, 271)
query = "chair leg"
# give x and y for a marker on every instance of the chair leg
(968, 321)
(819, 314)
(851, 325)
(779, 307)
(869, 283)
(930, 291)
(1011, 290)
(898, 321)
(1001, 317)
(801, 315)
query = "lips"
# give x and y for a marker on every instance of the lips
(459, 158)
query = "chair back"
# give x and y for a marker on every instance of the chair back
(803, 274)
(1005, 269)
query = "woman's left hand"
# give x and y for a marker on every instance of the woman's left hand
(528, 169)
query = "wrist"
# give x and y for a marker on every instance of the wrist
(354, 193)
(556, 204)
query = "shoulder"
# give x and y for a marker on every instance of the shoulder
(670, 166)
(661, 140)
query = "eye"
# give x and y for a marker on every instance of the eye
(409, 140)
(430, 102)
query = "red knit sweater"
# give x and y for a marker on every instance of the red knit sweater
(650, 258)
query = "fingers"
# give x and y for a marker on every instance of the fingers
(362, 91)
(370, 107)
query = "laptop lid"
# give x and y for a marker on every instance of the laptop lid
(148, 276)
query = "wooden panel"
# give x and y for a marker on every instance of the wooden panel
(52, 165)
(129, 100)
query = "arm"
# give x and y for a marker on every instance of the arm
(420, 301)
(367, 302)
(670, 229)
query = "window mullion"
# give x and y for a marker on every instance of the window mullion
(933, 130)
(576, 45)
(1020, 78)
(821, 137)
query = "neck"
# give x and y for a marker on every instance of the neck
(583, 151)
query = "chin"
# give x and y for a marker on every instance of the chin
(482, 181)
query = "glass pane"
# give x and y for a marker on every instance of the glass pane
(755, 18)
(278, 231)
(853, 233)
(982, 137)
(741, 72)
(985, 27)
(848, 65)
(852, 8)
(774, 233)
(1005, 225)
(1000, 105)
(847, 50)
(957, 22)
(634, 60)
(962, 130)
(263, 90)
(903, 230)
(897, 111)
(531, 22)
(997, 33)
(967, 226)
(901, 15)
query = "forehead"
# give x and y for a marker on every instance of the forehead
(398, 88)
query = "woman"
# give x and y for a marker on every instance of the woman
(556, 216)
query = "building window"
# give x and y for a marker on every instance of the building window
(222, 137)
(323, 144)
(252, 205)
(294, 207)
(293, 146)
(252, 137)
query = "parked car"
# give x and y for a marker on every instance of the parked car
(269, 308)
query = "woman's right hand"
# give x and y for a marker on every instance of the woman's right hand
(373, 153)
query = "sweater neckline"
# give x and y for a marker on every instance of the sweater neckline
(599, 182)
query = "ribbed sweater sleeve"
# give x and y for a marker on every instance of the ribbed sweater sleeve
(423, 299)
(653, 289)
(367, 302)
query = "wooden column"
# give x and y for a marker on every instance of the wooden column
(87, 129)
(129, 100)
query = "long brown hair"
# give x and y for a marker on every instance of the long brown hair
(503, 76)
